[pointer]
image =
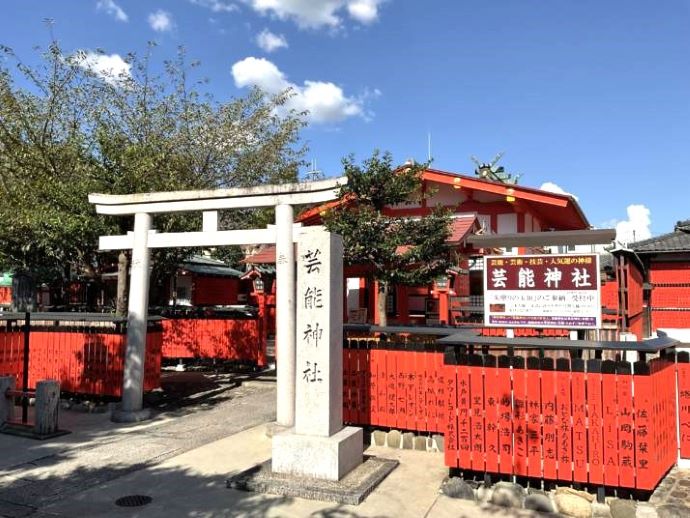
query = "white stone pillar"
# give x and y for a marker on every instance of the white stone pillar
(285, 317)
(135, 353)
(319, 446)
(319, 392)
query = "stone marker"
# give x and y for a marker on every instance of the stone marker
(420, 443)
(408, 440)
(319, 446)
(6, 404)
(393, 439)
(47, 401)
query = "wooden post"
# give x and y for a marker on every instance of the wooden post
(25, 369)
(6, 403)
(47, 399)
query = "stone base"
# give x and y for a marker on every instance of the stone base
(28, 431)
(327, 458)
(135, 416)
(274, 429)
(352, 489)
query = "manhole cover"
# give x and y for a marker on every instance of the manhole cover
(133, 500)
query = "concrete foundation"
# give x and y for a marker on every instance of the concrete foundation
(274, 428)
(352, 489)
(328, 458)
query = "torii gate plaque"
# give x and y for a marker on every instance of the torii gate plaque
(143, 238)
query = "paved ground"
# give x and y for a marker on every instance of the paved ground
(207, 432)
(672, 497)
(34, 474)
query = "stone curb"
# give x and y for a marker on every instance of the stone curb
(399, 439)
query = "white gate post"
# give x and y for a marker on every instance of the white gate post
(135, 354)
(285, 316)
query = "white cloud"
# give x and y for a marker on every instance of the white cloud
(636, 227)
(259, 72)
(270, 42)
(325, 101)
(364, 11)
(553, 187)
(217, 6)
(161, 21)
(109, 67)
(114, 10)
(318, 13)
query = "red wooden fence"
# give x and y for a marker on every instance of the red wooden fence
(219, 338)
(86, 357)
(603, 423)
(684, 404)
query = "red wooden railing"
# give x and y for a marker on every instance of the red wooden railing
(683, 367)
(85, 356)
(594, 422)
(218, 338)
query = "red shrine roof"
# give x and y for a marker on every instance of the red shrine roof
(556, 211)
(266, 255)
(460, 227)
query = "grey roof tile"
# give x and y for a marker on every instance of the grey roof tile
(676, 241)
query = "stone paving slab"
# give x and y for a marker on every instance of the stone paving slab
(672, 497)
(193, 484)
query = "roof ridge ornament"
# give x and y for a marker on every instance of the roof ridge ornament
(682, 226)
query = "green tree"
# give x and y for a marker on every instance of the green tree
(398, 250)
(68, 129)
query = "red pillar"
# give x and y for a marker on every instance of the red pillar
(443, 307)
(374, 301)
(362, 291)
(262, 329)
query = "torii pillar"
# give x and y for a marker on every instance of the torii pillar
(285, 317)
(132, 409)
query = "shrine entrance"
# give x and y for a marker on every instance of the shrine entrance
(144, 237)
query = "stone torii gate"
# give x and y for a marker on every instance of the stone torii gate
(209, 202)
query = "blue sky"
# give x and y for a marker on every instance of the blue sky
(592, 96)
